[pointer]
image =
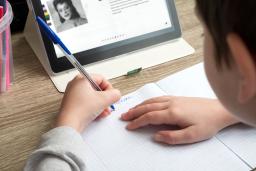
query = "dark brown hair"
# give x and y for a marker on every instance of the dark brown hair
(229, 16)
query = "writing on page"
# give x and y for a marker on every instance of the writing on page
(119, 149)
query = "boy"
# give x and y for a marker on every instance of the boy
(229, 59)
(229, 52)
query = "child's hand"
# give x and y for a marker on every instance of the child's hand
(198, 118)
(81, 104)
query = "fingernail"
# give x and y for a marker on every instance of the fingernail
(126, 115)
(158, 137)
(129, 126)
(108, 110)
(123, 116)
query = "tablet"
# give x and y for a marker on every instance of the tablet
(96, 30)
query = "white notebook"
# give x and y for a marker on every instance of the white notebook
(110, 147)
(241, 139)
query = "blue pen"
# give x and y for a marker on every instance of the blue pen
(56, 40)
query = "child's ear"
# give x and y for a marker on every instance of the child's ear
(247, 71)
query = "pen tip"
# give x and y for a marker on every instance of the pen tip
(112, 107)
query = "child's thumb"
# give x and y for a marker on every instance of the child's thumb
(173, 137)
(110, 96)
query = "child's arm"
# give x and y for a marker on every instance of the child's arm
(198, 118)
(63, 148)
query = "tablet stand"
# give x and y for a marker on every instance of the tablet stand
(110, 68)
(34, 39)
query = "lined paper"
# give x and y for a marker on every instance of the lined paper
(118, 149)
(241, 139)
(191, 82)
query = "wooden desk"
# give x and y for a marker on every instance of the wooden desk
(30, 107)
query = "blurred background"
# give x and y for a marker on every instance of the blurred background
(20, 10)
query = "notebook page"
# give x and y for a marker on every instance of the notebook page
(242, 140)
(121, 150)
(193, 82)
(93, 162)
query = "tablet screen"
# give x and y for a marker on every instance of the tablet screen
(86, 24)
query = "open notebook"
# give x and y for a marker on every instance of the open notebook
(110, 147)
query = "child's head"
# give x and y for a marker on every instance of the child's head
(230, 53)
(65, 9)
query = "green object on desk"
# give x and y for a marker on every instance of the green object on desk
(135, 71)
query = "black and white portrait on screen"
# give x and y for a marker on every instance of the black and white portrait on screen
(67, 14)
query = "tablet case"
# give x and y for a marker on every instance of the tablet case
(110, 68)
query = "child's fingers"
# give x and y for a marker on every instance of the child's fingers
(151, 118)
(143, 109)
(104, 114)
(102, 82)
(109, 97)
(183, 136)
(105, 85)
(155, 100)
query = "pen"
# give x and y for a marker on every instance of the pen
(56, 40)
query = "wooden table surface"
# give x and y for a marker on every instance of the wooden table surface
(28, 110)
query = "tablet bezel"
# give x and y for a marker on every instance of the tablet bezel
(110, 50)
